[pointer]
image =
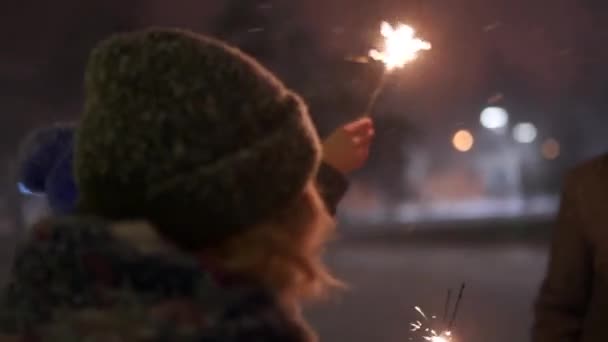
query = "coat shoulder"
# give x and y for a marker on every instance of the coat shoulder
(122, 279)
(586, 189)
(593, 171)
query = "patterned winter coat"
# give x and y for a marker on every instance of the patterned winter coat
(86, 279)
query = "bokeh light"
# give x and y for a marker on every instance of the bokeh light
(463, 140)
(525, 132)
(494, 118)
(550, 149)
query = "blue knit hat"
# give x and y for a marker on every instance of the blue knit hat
(46, 166)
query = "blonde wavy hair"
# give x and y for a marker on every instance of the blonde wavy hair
(285, 253)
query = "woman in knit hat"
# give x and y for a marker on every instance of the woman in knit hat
(198, 217)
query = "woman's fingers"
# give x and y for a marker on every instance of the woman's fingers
(359, 126)
(363, 138)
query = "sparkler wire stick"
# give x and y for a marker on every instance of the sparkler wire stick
(374, 98)
(446, 310)
(401, 46)
(457, 306)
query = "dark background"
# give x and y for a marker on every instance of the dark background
(543, 60)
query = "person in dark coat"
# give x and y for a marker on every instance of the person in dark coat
(573, 300)
(198, 216)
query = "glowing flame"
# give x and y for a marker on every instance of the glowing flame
(401, 46)
(444, 337)
(437, 339)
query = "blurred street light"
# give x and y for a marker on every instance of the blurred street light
(463, 140)
(525, 133)
(494, 118)
(550, 149)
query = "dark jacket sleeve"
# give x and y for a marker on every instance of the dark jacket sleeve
(332, 186)
(564, 295)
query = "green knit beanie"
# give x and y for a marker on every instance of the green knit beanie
(190, 134)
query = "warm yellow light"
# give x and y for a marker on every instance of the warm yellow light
(438, 339)
(463, 140)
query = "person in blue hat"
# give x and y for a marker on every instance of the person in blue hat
(46, 167)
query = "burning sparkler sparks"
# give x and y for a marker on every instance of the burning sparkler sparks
(428, 327)
(401, 46)
(446, 337)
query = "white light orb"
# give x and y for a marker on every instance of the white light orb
(525, 132)
(494, 118)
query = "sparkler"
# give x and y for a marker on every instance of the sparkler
(401, 46)
(428, 327)
(457, 305)
(446, 309)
